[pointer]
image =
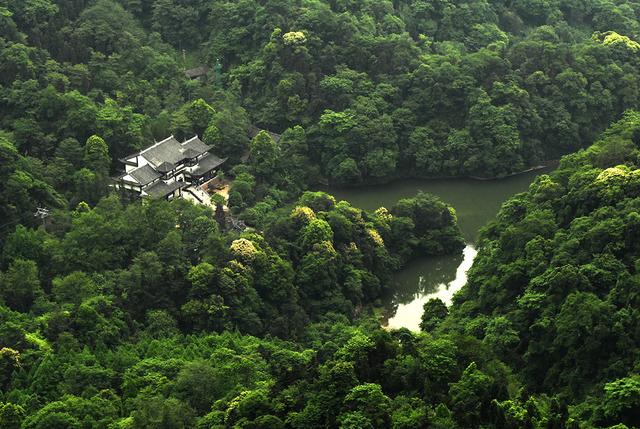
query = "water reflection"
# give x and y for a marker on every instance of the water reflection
(439, 277)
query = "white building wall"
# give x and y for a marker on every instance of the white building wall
(136, 159)
(142, 161)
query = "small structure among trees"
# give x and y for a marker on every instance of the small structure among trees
(197, 73)
(254, 131)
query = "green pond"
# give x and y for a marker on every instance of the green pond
(476, 202)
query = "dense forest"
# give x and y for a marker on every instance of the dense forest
(119, 314)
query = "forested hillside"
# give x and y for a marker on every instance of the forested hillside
(117, 314)
(554, 289)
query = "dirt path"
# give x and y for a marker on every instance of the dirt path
(224, 191)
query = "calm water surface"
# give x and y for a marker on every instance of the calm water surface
(476, 202)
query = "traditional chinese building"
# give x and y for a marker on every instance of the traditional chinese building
(167, 167)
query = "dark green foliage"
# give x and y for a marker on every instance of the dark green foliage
(11, 415)
(117, 276)
(20, 285)
(154, 316)
(434, 224)
(552, 287)
(434, 312)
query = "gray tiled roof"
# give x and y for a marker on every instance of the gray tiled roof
(196, 145)
(190, 153)
(171, 151)
(206, 164)
(165, 167)
(161, 189)
(144, 175)
(168, 150)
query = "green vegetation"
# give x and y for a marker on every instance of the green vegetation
(91, 295)
(118, 315)
(554, 287)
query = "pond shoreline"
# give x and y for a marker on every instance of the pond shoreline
(546, 164)
(391, 179)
